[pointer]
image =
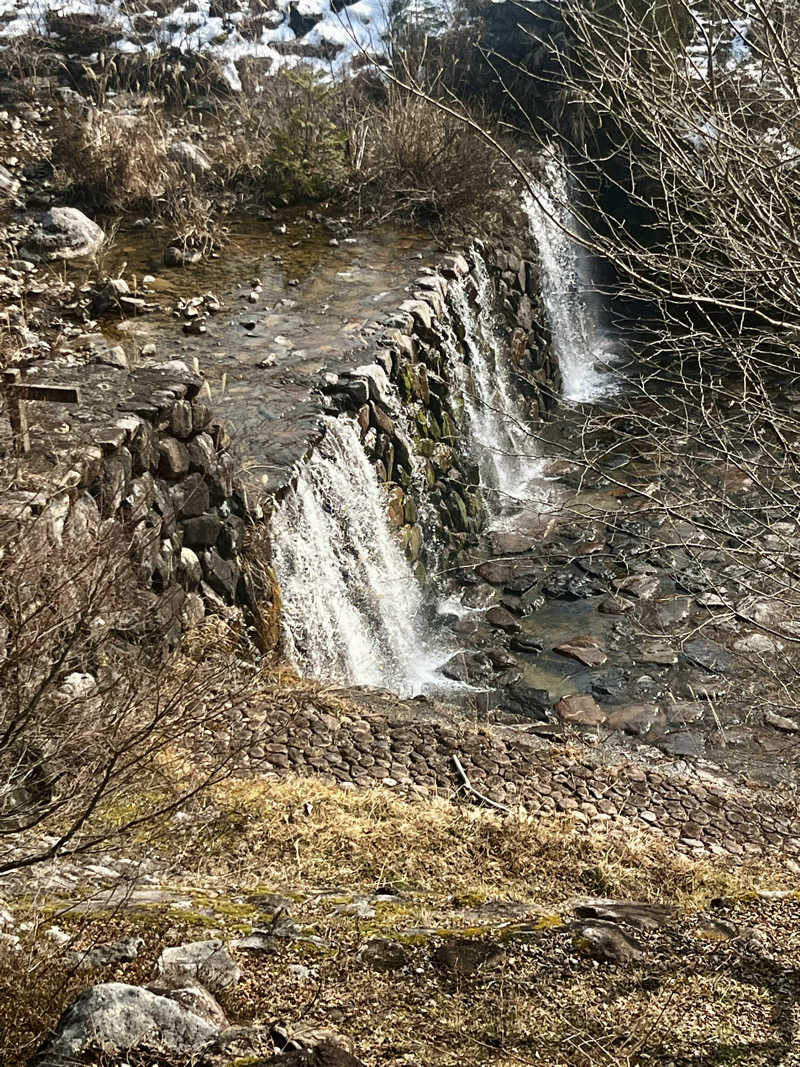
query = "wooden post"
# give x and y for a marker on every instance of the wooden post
(16, 411)
(18, 393)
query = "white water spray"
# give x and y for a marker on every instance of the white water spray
(584, 351)
(352, 609)
(499, 437)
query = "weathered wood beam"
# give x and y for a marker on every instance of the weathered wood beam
(18, 393)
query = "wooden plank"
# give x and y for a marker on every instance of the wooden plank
(56, 394)
(18, 393)
(19, 424)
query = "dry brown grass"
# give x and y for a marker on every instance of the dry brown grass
(304, 831)
(426, 165)
(544, 1002)
(113, 161)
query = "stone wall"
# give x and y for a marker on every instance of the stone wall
(408, 747)
(423, 456)
(144, 450)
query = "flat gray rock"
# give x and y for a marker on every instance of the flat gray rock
(207, 962)
(117, 1018)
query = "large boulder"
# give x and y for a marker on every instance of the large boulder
(65, 233)
(117, 1018)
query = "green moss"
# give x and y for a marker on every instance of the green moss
(309, 952)
(469, 900)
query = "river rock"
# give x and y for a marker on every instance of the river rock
(505, 542)
(683, 743)
(667, 613)
(120, 1018)
(585, 649)
(501, 660)
(780, 722)
(642, 586)
(65, 233)
(206, 962)
(526, 643)
(708, 655)
(502, 619)
(615, 605)
(532, 703)
(658, 653)
(503, 572)
(683, 712)
(190, 157)
(757, 644)
(634, 718)
(580, 709)
(181, 256)
(470, 667)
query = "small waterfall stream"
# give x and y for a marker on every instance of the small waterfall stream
(352, 609)
(584, 352)
(498, 433)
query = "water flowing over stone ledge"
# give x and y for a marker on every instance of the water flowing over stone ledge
(145, 448)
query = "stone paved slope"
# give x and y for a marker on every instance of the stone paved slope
(409, 747)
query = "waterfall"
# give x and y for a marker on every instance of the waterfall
(583, 351)
(499, 439)
(352, 609)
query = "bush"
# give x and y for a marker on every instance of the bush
(306, 157)
(430, 166)
(111, 161)
(95, 717)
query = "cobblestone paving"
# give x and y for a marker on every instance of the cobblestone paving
(410, 747)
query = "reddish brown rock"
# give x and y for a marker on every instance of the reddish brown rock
(580, 709)
(634, 718)
(502, 619)
(585, 649)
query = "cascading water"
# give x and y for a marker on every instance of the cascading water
(584, 352)
(352, 609)
(499, 437)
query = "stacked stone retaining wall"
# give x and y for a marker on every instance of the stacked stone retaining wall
(424, 457)
(409, 747)
(144, 450)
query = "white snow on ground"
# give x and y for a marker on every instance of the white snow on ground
(358, 28)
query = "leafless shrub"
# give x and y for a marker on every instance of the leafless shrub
(426, 165)
(94, 715)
